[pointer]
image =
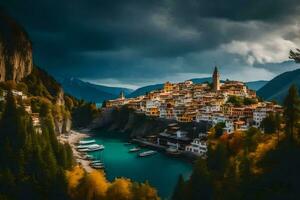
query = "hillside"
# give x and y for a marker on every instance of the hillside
(278, 87)
(256, 85)
(91, 92)
(143, 90)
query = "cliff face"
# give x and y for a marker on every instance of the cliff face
(137, 125)
(124, 120)
(15, 51)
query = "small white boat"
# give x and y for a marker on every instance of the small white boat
(83, 150)
(128, 143)
(147, 153)
(83, 146)
(96, 161)
(135, 149)
(98, 166)
(95, 147)
(87, 141)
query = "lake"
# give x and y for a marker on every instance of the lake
(160, 170)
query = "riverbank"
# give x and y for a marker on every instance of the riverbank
(73, 138)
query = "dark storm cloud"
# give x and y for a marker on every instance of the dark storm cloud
(135, 39)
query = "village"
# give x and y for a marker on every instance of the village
(229, 102)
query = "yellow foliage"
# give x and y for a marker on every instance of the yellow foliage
(74, 177)
(261, 150)
(120, 190)
(94, 186)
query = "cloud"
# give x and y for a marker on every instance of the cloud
(137, 42)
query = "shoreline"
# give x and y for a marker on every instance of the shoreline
(73, 138)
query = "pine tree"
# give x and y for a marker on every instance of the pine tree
(200, 183)
(291, 110)
(179, 191)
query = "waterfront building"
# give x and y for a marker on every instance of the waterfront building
(198, 147)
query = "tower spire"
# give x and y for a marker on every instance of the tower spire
(216, 79)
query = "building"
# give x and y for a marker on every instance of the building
(216, 80)
(189, 102)
(197, 147)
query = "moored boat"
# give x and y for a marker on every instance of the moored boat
(96, 161)
(95, 147)
(135, 149)
(91, 148)
(98, 166)
(86, 141)
(147, 153)
(83, 146)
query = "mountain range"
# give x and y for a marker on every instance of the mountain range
(277, 88)
(91, 92)
(99, 93)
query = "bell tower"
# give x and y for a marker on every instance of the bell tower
(216, 80)
(122, 95)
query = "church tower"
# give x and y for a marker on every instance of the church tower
(216, 80)
(122, 96)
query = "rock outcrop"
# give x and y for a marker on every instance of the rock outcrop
(137, 125)
(15, 51)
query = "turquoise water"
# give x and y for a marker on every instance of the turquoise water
(159, 170)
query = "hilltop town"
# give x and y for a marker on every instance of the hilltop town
(231, 102)
(228, 102)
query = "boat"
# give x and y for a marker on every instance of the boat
(86, 141)
(83, 146)
(147, 153)
(128, 143)
(95, 147)
(98, 166)
(83, 150)
(135, 149)
(96, 161)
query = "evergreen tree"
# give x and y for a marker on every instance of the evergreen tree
(269, 124)
(200, 184)
(179, 191)
(291, 110)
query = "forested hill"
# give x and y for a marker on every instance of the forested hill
(34, 110)
(250, 164)
(277, 88)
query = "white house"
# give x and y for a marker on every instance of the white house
(229, 126)
(197, 147)
(259, 115)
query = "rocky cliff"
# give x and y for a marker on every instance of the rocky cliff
(126, 120)
(15, 50)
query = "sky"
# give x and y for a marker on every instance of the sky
(132, 43)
